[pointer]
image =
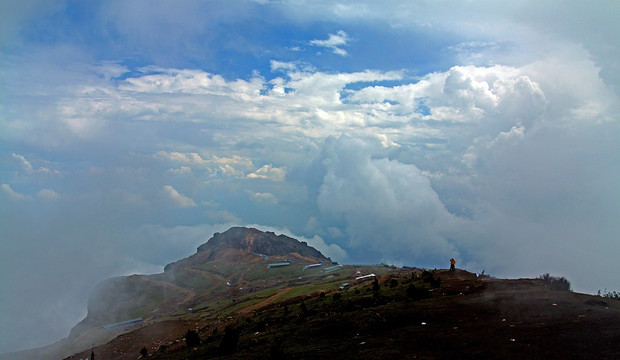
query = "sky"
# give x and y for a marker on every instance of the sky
(378, 131)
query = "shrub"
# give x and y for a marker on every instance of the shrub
(229, 343)
(415, 293)
(615, 295)
(555, 282)
(261, 326)
(427, 277)
(192, 338)
(375, 286)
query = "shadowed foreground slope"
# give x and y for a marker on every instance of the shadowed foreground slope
(410, 315)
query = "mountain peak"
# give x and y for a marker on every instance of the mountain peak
(250, 240)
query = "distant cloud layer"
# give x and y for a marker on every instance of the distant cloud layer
(335, 42)
(393, 131)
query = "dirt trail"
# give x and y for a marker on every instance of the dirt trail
(267, 301)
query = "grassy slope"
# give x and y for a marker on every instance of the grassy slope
(438, 314)
(458, 317)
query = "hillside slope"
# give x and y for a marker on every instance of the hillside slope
(219, 268)
(407, 314)
(305, 307)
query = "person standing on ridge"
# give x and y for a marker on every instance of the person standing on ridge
(452, 263)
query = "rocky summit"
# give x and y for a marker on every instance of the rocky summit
(251, 240)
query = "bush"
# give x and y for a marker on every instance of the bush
(192, 338)
(615, 295)
(229, 343)
(415, 293)
(428, 278)
(375, 286)
(555, 282)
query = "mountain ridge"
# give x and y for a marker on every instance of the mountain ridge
(225, 259)
(227, 290)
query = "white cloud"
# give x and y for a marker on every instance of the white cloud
(222, 217)
(390, 209)
(48, 195)
(466, 125)
(234, 165)
(177, 198)
(29, 169)
(263, 198)
(505, 154)
(486, 147)
(335, 42)
(332, 251)
(282, 66)
(187, 158)
(14, 195)
(183, 170)
(270, 172)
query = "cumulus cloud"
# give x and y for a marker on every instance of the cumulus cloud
(14, 195)
(222, 217)
(177, 198)
(263, 198)
(187, 158)
(183, 170)
(332, 251)
(496, 147)
(270, 172)
(390, 208)
(29, 169)
(234, 165)
(334, 42)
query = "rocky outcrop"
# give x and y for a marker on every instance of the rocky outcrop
(251, 240)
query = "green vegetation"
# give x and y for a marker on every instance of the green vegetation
(317, 310)
(615, 295)
(555, 282)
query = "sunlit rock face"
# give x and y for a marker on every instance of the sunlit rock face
(255, 241)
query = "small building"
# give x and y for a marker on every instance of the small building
(331, 268)
(312, 266)
(276, 265)
(344, 286)
(365, 277)
(122, 324)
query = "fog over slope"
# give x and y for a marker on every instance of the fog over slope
(130, 132)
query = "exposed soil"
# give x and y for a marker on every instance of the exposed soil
(459, 316)
(265, 302)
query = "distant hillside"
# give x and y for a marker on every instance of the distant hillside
(249, 294)
(228, 261)
(397, 314)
